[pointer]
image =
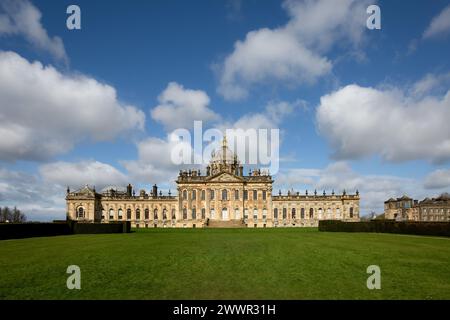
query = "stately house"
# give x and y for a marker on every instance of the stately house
(405, 208)
(222, 197)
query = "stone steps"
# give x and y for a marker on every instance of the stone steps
(225, 224)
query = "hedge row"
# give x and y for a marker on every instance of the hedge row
(29, 230)
(388, 226)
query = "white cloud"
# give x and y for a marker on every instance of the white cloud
(179, 107)
(294, 52)
(360, 121)
(78, 174)
(154, 163)
(431, 83)
(44, 112)
(339, 176)
(38, 200)
(438, 179)
(21, 17)
(439, 25)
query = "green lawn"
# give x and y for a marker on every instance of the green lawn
(226, 264)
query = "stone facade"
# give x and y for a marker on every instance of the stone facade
(405, 208)
(222, 197)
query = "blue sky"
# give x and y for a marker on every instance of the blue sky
(383, 128)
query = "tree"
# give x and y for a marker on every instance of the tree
(6, 215)
(15, 215)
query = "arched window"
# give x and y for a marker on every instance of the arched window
(255, 214)
(212, 213)
(275, 213)
(264, 214)
(338, 213)
(194, 194)
(184, 213)
(245, 213)
(351, 212)
(155, 214)
(138, 214)
(111, 214)
(224, 194)
(128, 214)
(293, 213)
(302, 213)
(203, 194)
(311, 213)
(80, 213)
(164, 214)
(284, 213)
(184, 195)
(320, 213)
(194, 213)
(237, 213)
(147, 214)
(203, 213)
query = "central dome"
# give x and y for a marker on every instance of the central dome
(223, 155)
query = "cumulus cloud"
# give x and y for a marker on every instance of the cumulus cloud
(154, 163)
(44, 112)
(21, 17)
(363, 121)
(438, 179)
(440, 24)
(38, 200)
(78, 174)
(339, 176)
(293, 53)
(179, 107)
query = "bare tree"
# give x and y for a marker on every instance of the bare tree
(15, 215)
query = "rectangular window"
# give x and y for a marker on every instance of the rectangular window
(245, 194)
(194, 194)
(236, 194)
(264, 194)
(203, 194)
(212, 194)
(255, 195)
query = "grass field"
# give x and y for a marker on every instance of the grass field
(226, 264)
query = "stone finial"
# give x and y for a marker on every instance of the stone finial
(357, 192)
(315, 192)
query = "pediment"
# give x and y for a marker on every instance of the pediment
(225, 177)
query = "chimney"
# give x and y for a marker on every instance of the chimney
(129, 189)
(241, 171)
(155, 191)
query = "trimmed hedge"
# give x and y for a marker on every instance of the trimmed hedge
(388, 226)
(90, 228)
(29, 230)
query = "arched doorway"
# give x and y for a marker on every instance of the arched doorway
(224, 214)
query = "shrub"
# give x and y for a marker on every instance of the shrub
(388, 226)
